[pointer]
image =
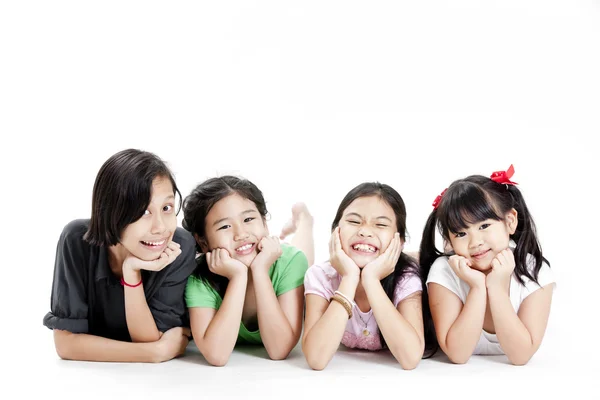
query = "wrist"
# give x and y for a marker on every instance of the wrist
(369, 280)
(350, 282)
(131, 276)
(495, 290)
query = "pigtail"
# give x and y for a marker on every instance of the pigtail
(526, 239)
(428, 253)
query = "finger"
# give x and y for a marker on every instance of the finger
(217, 258)
(496, 264)
(398, 247)
(208, 258)
(338, 240)
(501, 257)
(173, 245)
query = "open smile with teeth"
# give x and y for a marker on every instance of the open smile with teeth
(153, 244)
(245, 249)
(364, 248)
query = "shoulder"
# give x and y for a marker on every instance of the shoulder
(321, 277)
(289, 253)
(75, 229)
(441, 266)
(442, 274)
(545, 276)
(72, 234)
(185, 263)
(185, 239)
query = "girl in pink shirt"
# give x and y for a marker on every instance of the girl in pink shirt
(368, 295)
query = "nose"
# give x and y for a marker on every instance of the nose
(240, 233)
(364, 232)
(158, 224)
(476, 240)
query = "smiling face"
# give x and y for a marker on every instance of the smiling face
(481, 242)
(235, 224)
(147, 237)
(367, 227)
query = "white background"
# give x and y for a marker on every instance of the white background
(307, 99)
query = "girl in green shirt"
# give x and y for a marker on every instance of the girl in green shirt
(248, 287)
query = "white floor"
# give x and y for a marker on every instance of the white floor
(562, 367)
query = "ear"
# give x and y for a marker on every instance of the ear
(201, 242)
(512, 221)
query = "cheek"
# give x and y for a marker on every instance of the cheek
(216, 240)
(345, 235)
(385, 239)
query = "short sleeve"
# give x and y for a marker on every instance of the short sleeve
(405, 286)
(292, 267)
(545, 277)
(68, 302)
(199, 293)
(168, 305)
(317, 281)
(442, 274)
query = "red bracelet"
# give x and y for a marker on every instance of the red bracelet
(127, 284)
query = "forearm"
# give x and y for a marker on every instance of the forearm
(220, 336)
(275, 330)
(513, 336)
(463, 335)
(323, 339)
(401, 337)
(140, 322)
(84, 347)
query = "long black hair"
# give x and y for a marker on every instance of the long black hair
(474, 199)
(198, 204)
(406, 264)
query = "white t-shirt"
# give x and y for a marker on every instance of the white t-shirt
(442, 274)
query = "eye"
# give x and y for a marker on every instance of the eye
(382, 225)
(484, 226)
(146, 212)
(351, 221)
(168, 208)
(459, 234)
(249, 219)
(224, 227)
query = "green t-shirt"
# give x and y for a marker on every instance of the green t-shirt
(286, 273)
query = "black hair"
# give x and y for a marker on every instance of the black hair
(474, 199)
(198, 204)
(406, 264)
(122, 193)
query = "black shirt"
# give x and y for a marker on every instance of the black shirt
(88, 298)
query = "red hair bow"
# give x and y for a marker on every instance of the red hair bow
(438, 199)
(503, 177)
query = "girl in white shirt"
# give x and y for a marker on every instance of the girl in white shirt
(491, 293)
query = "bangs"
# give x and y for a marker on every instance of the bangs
(465, 206)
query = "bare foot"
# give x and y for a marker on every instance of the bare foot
(300, 215)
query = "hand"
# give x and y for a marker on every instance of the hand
(169, 254)
(503, 266)
(385, 264)
(172, 343)
(221, 263)
(339, 259)
(269, 250)
(462, 267)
